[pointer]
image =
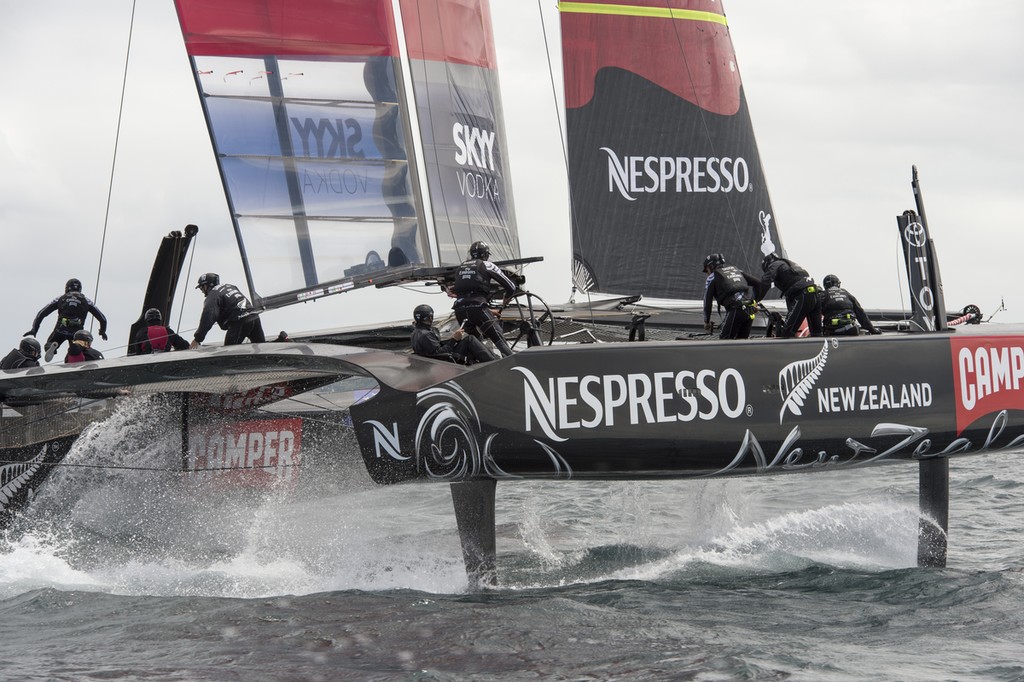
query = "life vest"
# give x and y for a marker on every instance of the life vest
(730, 281)
(791, 279)
(837, 301)
(72, 310)
(472, 279)
(157, 337)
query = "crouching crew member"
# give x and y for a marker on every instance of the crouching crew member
(25, 355)
(841, 312)
(472, 289)
(228, 307)
(799, 291)
(156, 337)
(729, 286)
(460, 348)
(80, 349)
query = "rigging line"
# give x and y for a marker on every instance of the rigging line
(113, 160)
(899, 274)
(125, 467)
(188, 278)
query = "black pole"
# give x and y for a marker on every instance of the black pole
(474, 514)
(933, 499)
(934, 276)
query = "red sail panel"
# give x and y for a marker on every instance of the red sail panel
(681, 45)
(454, 31)
(286, 27)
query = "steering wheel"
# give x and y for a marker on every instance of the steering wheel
(534, 321)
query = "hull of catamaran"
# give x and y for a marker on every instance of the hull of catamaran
(591, 411)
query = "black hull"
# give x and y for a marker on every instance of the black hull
(703, 409)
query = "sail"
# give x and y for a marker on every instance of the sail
(455, 80)
(663, 164)
(311, 124)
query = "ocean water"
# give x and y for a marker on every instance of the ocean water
(127, 572)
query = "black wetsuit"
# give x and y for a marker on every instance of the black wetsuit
(799, 291)
(841, 312)
(467, 351)
(472, 289)
(226, 306)
(71, 308)
(728, 285)
(157, 338)
(17, 360)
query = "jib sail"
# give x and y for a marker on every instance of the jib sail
(310, 117)
(663, 164)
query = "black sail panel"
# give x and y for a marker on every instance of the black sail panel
(663, 163)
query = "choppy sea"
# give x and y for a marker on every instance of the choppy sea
(128, 573)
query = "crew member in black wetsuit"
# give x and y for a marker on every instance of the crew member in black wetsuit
(71, 307)
(80, 349)
(227, 306)
(156, 337)
(460, 348)
(841, 312)
(25, 355)
(799, 291)
(729, 286)
(472, 289)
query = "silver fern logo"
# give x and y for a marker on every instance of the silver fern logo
(797, 379)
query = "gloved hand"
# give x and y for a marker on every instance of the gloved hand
(875, 331)
(103, 335)
(30, 332)
(709, 326)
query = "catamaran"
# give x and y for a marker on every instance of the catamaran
(361, 144)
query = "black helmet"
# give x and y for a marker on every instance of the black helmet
(713, 261)
(72, 285)
(30, 348)
(480, 250)
(831, 281)
(768, 260)
(82, 335)
(423, 314)
(153, 316)
(210, 279)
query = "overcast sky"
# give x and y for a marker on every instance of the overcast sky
(845, 98)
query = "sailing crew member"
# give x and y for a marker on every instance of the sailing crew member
(156, 337)
(730, 287)
(799, 291)
(71, 307)
(472, 290)
(80, 349)
(25, 355)
(841, 312)
(230, 309)
(460, 348)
